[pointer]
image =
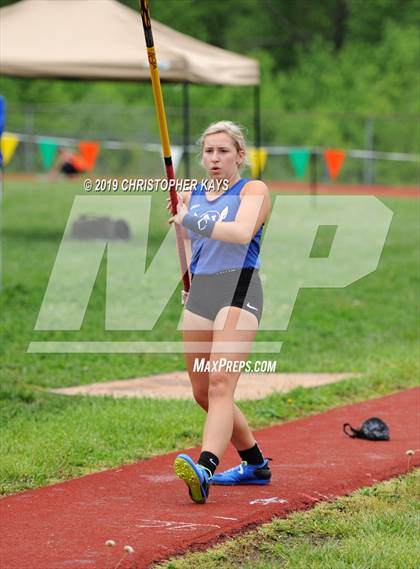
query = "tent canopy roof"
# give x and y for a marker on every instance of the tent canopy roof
(104, 39)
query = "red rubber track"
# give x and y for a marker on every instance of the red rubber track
(144, 505)
(346, 189)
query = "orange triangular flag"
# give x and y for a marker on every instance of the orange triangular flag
(89, 150)
(334, 160)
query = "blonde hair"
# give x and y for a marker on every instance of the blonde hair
(236, 133)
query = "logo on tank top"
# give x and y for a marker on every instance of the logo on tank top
(211, 215)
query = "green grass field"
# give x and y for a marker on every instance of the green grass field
(370, 327)
(374, 528)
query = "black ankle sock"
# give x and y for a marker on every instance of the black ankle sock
(209, 461)
(252, 455)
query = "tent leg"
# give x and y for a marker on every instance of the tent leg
(186, 115)
(257, 126)
(314, 175)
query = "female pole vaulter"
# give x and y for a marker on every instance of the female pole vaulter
(224, 305)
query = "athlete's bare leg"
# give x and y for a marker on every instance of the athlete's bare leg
(199, 329)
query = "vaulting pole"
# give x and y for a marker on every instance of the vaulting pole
(164, 135)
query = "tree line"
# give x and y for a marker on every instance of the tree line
(334, 59)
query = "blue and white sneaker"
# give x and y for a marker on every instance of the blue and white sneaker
(244, 473)
(195, 476)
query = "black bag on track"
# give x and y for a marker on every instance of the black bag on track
(373, 429)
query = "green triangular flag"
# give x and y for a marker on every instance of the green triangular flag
(48, 149)
(299, 158)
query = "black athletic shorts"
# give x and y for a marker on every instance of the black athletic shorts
(236, 287)
(69, 169)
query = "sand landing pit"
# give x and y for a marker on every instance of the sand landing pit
(176, 385)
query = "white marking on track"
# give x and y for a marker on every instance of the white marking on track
(159, 478)
(326, 496)
(173, 526)
(310, 497)
(224, 518)
(266, 501)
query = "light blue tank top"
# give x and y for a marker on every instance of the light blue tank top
(211, 256)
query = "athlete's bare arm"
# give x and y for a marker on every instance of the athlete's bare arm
(252, 213)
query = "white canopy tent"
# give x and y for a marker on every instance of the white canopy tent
(103, 39)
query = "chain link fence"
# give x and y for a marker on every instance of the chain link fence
(382, 150)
